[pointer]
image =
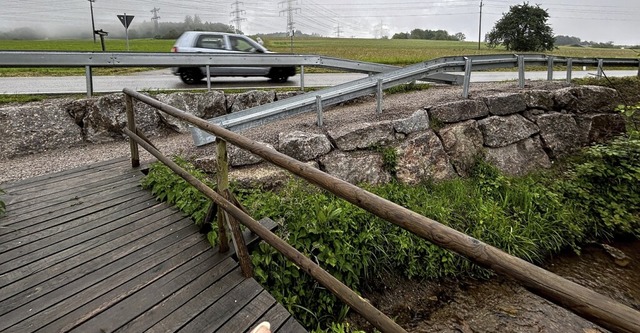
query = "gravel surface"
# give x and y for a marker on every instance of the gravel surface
(362, 110)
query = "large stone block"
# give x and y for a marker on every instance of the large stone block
(249, 99)
(538, 99)
(357, 167)
(191, 103)
(598, 128)
(463, 143)
(418, 121)
(505, 104)
(362, 136)
(454, 112)
(241, 157)
(303, 146)
(560, 133)
(519, 158)
(586, 99)
(503, 131)
(104, 120)
(422, 157)
(36, 127)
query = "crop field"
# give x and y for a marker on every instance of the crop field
(400, 52)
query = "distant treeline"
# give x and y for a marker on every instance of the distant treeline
(562, 40)
(430, 35)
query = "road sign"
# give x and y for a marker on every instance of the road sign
(125, 20)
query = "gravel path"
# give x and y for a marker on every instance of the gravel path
(363, 110)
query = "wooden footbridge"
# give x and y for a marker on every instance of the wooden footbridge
(88, 250)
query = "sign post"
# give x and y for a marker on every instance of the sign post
(126, 21)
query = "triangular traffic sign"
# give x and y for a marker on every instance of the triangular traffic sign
(125, 20)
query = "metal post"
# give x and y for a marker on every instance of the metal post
(379, 96)
(302, 78)
(569, 69)
(126, 31)
(89, 76)
(208, 78)
(600, 64)
(467, 78)
(521, 71)
(93, 23)
(131, 124)
(319, 109)
(638, 67)
(549, 68)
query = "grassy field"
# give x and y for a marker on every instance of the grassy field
(399, 52)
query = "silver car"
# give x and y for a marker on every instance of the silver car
(220, 42)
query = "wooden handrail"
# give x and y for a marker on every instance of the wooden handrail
(584, 302)
(368, 311)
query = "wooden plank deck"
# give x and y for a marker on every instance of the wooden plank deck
(88, 250)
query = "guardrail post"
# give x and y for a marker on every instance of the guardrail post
(319, 109)
(521, 71)
(89, 76)
(208, 78)
(222, 168)
(131, 124)
(379, 94)
(550, 69)
(600, 70)
(302, 78)
(638, 67)
(569, 69)
(467, 77)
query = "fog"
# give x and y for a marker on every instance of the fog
(593, 20)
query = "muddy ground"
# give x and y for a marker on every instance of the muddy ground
(501, 305)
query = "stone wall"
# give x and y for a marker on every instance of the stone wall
(62, 123)
(517, 132)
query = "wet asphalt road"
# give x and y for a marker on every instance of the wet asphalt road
(164, 80)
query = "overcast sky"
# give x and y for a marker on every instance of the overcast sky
(592, 20)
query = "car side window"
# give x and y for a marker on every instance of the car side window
(215, 42)
(240, 44)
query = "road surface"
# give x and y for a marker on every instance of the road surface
(164, 80)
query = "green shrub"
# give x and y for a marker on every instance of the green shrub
(529, 217)
(169, 187)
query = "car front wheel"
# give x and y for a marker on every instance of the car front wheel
(191, 75)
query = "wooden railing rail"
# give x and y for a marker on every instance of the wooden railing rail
(586, 303)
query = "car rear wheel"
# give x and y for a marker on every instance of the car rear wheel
(191, 75)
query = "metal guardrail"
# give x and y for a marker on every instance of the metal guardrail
(316, 100)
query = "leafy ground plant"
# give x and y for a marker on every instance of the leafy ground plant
(530, 217)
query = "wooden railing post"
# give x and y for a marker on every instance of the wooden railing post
(236, 234)
(131, 124)
(222, 171)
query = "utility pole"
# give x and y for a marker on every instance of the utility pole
(93, 23)
(155, 19)
(480, 26)
(338, 31)
(290, 24)
(237, 19)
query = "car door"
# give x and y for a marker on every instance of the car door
(213, 43)
(241, 45)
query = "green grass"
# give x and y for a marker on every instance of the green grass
(400, 52)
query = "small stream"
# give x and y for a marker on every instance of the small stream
(501, 305)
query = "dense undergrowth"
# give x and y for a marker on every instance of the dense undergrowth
(592, 197)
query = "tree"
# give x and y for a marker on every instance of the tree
(523, 28)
